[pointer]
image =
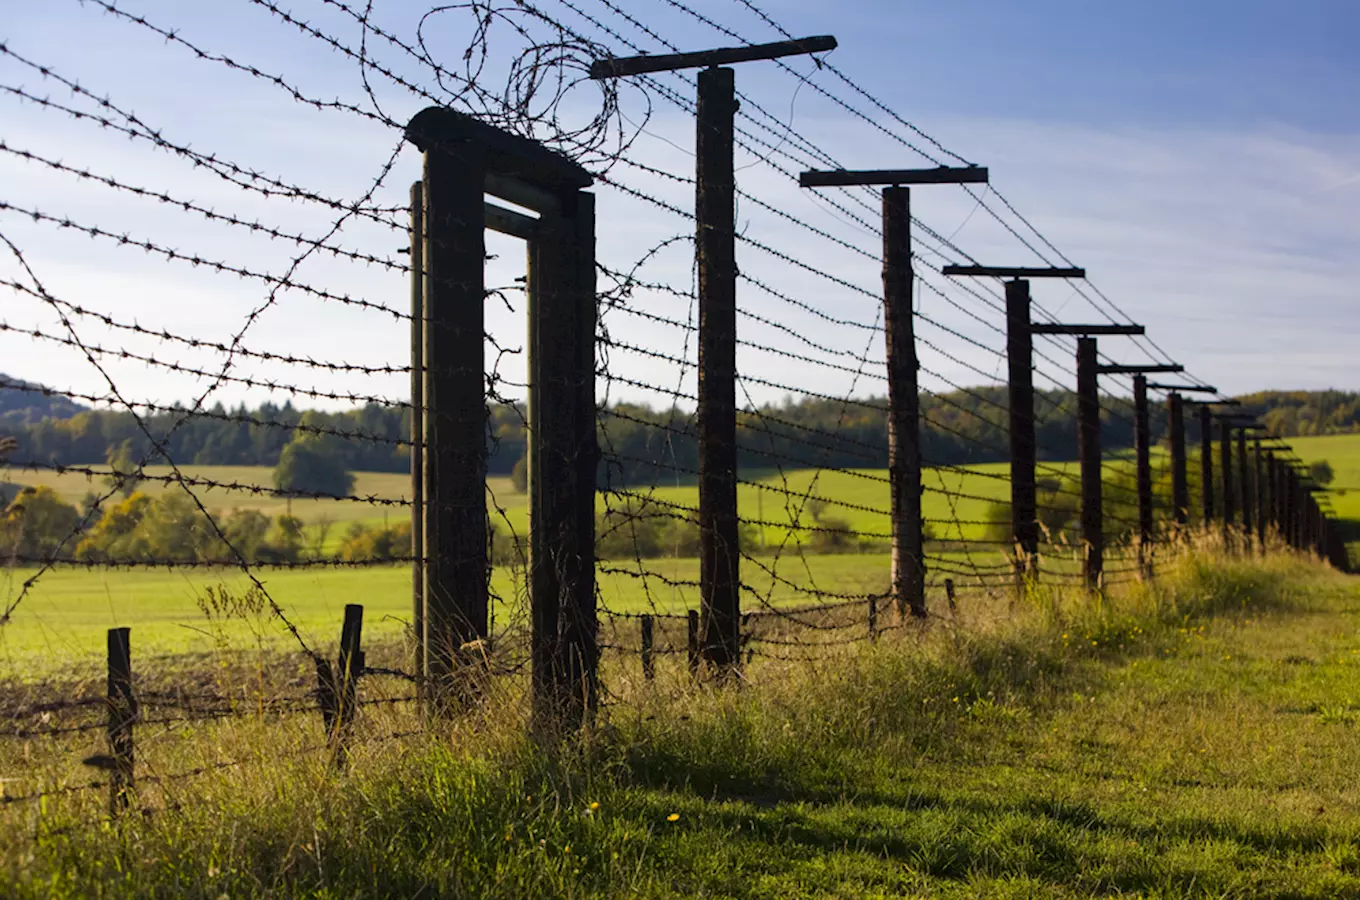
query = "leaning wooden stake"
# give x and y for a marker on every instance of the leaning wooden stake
(122, 715)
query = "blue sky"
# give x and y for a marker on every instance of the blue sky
(1202, 160)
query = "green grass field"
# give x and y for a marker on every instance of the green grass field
(864, 494)
(1343, 452)
(64, 620)
(1196, 742)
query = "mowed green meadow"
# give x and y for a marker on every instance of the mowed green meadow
(65, 614)
(858, 496)
(1342, 451)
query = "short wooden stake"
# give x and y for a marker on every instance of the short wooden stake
(351, 668)
(122, 715)
(648, 636)
(692, 621)
(949, 592)
(873, 618)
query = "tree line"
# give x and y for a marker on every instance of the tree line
(641, 443)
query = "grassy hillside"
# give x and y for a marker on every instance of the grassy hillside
(859, 497)
(1196, 743)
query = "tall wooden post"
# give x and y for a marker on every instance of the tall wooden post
(904, 439)
(1206, 464)
(1273, 491)
(418, 429)
(562, 460)
(1290, 494)
(122, 714)
(1088, 452)
(719, 551)
(456, 602)
(1262, 496)
(1225, 463)
(1020, 383)
(1180, 476)
(1142, 448)
(1248, 489)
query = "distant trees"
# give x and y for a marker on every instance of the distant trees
(36, 522)
(122, 464)
(1321, 472)
(312, 465)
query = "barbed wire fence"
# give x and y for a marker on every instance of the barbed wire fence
(811, 479)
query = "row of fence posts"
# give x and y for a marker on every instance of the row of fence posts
(336, 694)
(465, 160)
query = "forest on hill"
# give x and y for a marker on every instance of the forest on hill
(642, 442)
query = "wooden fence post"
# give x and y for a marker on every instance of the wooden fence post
(122, 714)
(873, 617)
(1020, 385)
(949, 593)
(1225, 462)
(1088, 451)
(692, 641)
(648, 637)
(904, 437)
(456, 599)
(1180, 476)
(1206, 464)
(1142, 443)
(1248, 492)
(715, 211)
(1262, 496)
(418, 432)
(351, 668)
(562, 461)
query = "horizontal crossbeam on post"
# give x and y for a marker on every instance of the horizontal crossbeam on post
(670, 62)
(507, 221)
(1088, 330)
(853, 178)
(1183, 388)
(1222, 403)
(1010, 272)
(1140, 370)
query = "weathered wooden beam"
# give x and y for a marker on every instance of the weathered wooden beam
(1183, 388)
(1011, 272)
(670, 62)
(1139, 370)
(1088, 330)
(852, 178)
(507, 221)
